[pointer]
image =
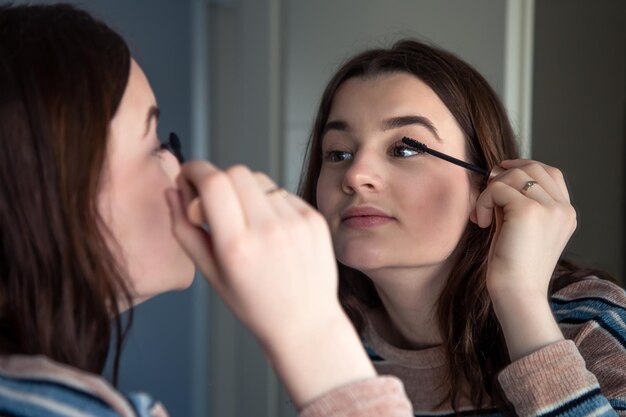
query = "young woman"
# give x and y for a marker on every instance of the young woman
(86, 232)
(453, 276)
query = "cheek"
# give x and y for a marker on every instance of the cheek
(142, 227)
(140, 203)
(433, 199)
(438, 211)
(325, 195)
(156, 251)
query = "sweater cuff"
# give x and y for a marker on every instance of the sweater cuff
(546, 378)
(383, 396)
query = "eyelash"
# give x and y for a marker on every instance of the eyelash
(172, 145)
(331, 156)
(158, 151)
(162, 147)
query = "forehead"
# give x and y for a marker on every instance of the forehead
(130, 118)
(364, 102)
(385, 93)
(129, 124)
(138, 92)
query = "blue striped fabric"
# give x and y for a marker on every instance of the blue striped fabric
(608, 315)
(591, 313)
(29, 397)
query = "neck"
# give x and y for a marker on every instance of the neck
(409, 297)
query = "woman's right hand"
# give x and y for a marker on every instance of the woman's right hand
(270, 257)
(534, 219)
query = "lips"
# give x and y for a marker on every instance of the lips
(360, 217)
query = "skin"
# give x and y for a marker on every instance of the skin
(268, 256)
(430, 202)
(131, 199)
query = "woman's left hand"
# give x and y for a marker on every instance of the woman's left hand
(530, 205)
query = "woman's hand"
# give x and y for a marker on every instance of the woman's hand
(263, 251)
(534, 222)
(269, 256)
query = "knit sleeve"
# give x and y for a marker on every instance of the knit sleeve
(383, 396)
(584, 375)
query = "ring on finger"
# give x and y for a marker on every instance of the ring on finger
(527, 186)
(277, 190)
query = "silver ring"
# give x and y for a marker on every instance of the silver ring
(277, 190)
(527, 186)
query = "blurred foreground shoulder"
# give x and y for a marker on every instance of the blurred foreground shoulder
(36, 386)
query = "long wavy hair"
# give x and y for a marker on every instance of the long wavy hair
(473, 339)
(62, 77)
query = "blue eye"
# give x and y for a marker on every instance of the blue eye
(338, 156)
(401, 151)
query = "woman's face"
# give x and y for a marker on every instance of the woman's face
(132, 200)
(387, 206)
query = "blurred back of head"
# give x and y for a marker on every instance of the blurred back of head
(62, 77)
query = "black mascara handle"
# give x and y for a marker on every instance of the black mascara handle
(458, 162)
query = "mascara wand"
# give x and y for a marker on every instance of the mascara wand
(420, 147)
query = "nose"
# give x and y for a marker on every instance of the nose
(363, 175)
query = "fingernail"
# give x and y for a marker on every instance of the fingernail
(497, 170)
(194, 213)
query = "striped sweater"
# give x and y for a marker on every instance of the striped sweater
(584, 375)
(35, 386)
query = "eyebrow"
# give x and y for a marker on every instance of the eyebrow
(153, 112)
(336, 125)
(396, 122)
(388, 124)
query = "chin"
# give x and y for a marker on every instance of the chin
(188, 280)
(362, 259)
(184, 275)
(177, 278)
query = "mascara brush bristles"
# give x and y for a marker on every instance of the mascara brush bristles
(418, 146)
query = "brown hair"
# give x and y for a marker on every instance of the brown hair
(473, 338)
(62, 77)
